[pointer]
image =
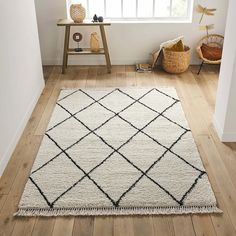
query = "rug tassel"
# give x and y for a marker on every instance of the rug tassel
(115, 211)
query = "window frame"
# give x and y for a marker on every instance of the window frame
(137, 19)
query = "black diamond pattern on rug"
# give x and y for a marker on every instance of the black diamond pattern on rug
(122, 146)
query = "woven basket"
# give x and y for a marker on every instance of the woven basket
(77, 13)
(213, 40)
(176, 62)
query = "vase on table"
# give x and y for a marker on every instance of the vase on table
(77, 13)
(94, 42)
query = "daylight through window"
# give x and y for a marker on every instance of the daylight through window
(138, 9)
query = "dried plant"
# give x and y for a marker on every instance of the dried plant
(205, 11)
(207, 28)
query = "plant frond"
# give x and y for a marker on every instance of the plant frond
(211, 9)
(205, 10)
(200, 8)
(202, 27)
(209, 13)
(209, 27)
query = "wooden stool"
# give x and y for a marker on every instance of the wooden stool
(86, 51)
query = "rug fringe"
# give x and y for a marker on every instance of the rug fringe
(117, 211)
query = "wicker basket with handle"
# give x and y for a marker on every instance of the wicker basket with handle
(176, 62)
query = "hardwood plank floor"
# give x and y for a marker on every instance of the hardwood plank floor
(197, 95)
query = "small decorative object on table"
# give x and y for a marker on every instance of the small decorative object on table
(77, 37)
(100, 19)
(95, 18)
(77, 13)
(94, 42)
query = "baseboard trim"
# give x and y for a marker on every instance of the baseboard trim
(6, 157)
(223, 136)
(100, 60)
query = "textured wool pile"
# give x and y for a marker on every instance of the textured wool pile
(117, 152)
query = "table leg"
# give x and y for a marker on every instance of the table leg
(104, 41)
(66, 47)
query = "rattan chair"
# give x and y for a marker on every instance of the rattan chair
(213, 40)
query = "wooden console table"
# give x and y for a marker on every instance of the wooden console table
(86, 51)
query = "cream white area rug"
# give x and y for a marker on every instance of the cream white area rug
(117, 152)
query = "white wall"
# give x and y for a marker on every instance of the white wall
(21, 78)
(128, 43)
(225, 111)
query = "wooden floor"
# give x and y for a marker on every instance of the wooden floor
(197, 94)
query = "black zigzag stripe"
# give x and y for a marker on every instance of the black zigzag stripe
(80, 109)
(159, 114)
(68, 95)
(127, 158)
(86, 174)
(72, 115)
(41, 192)
(162, 113)
(116, 150)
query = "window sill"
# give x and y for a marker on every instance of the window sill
(148, 21)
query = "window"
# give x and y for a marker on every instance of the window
(125, 10)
